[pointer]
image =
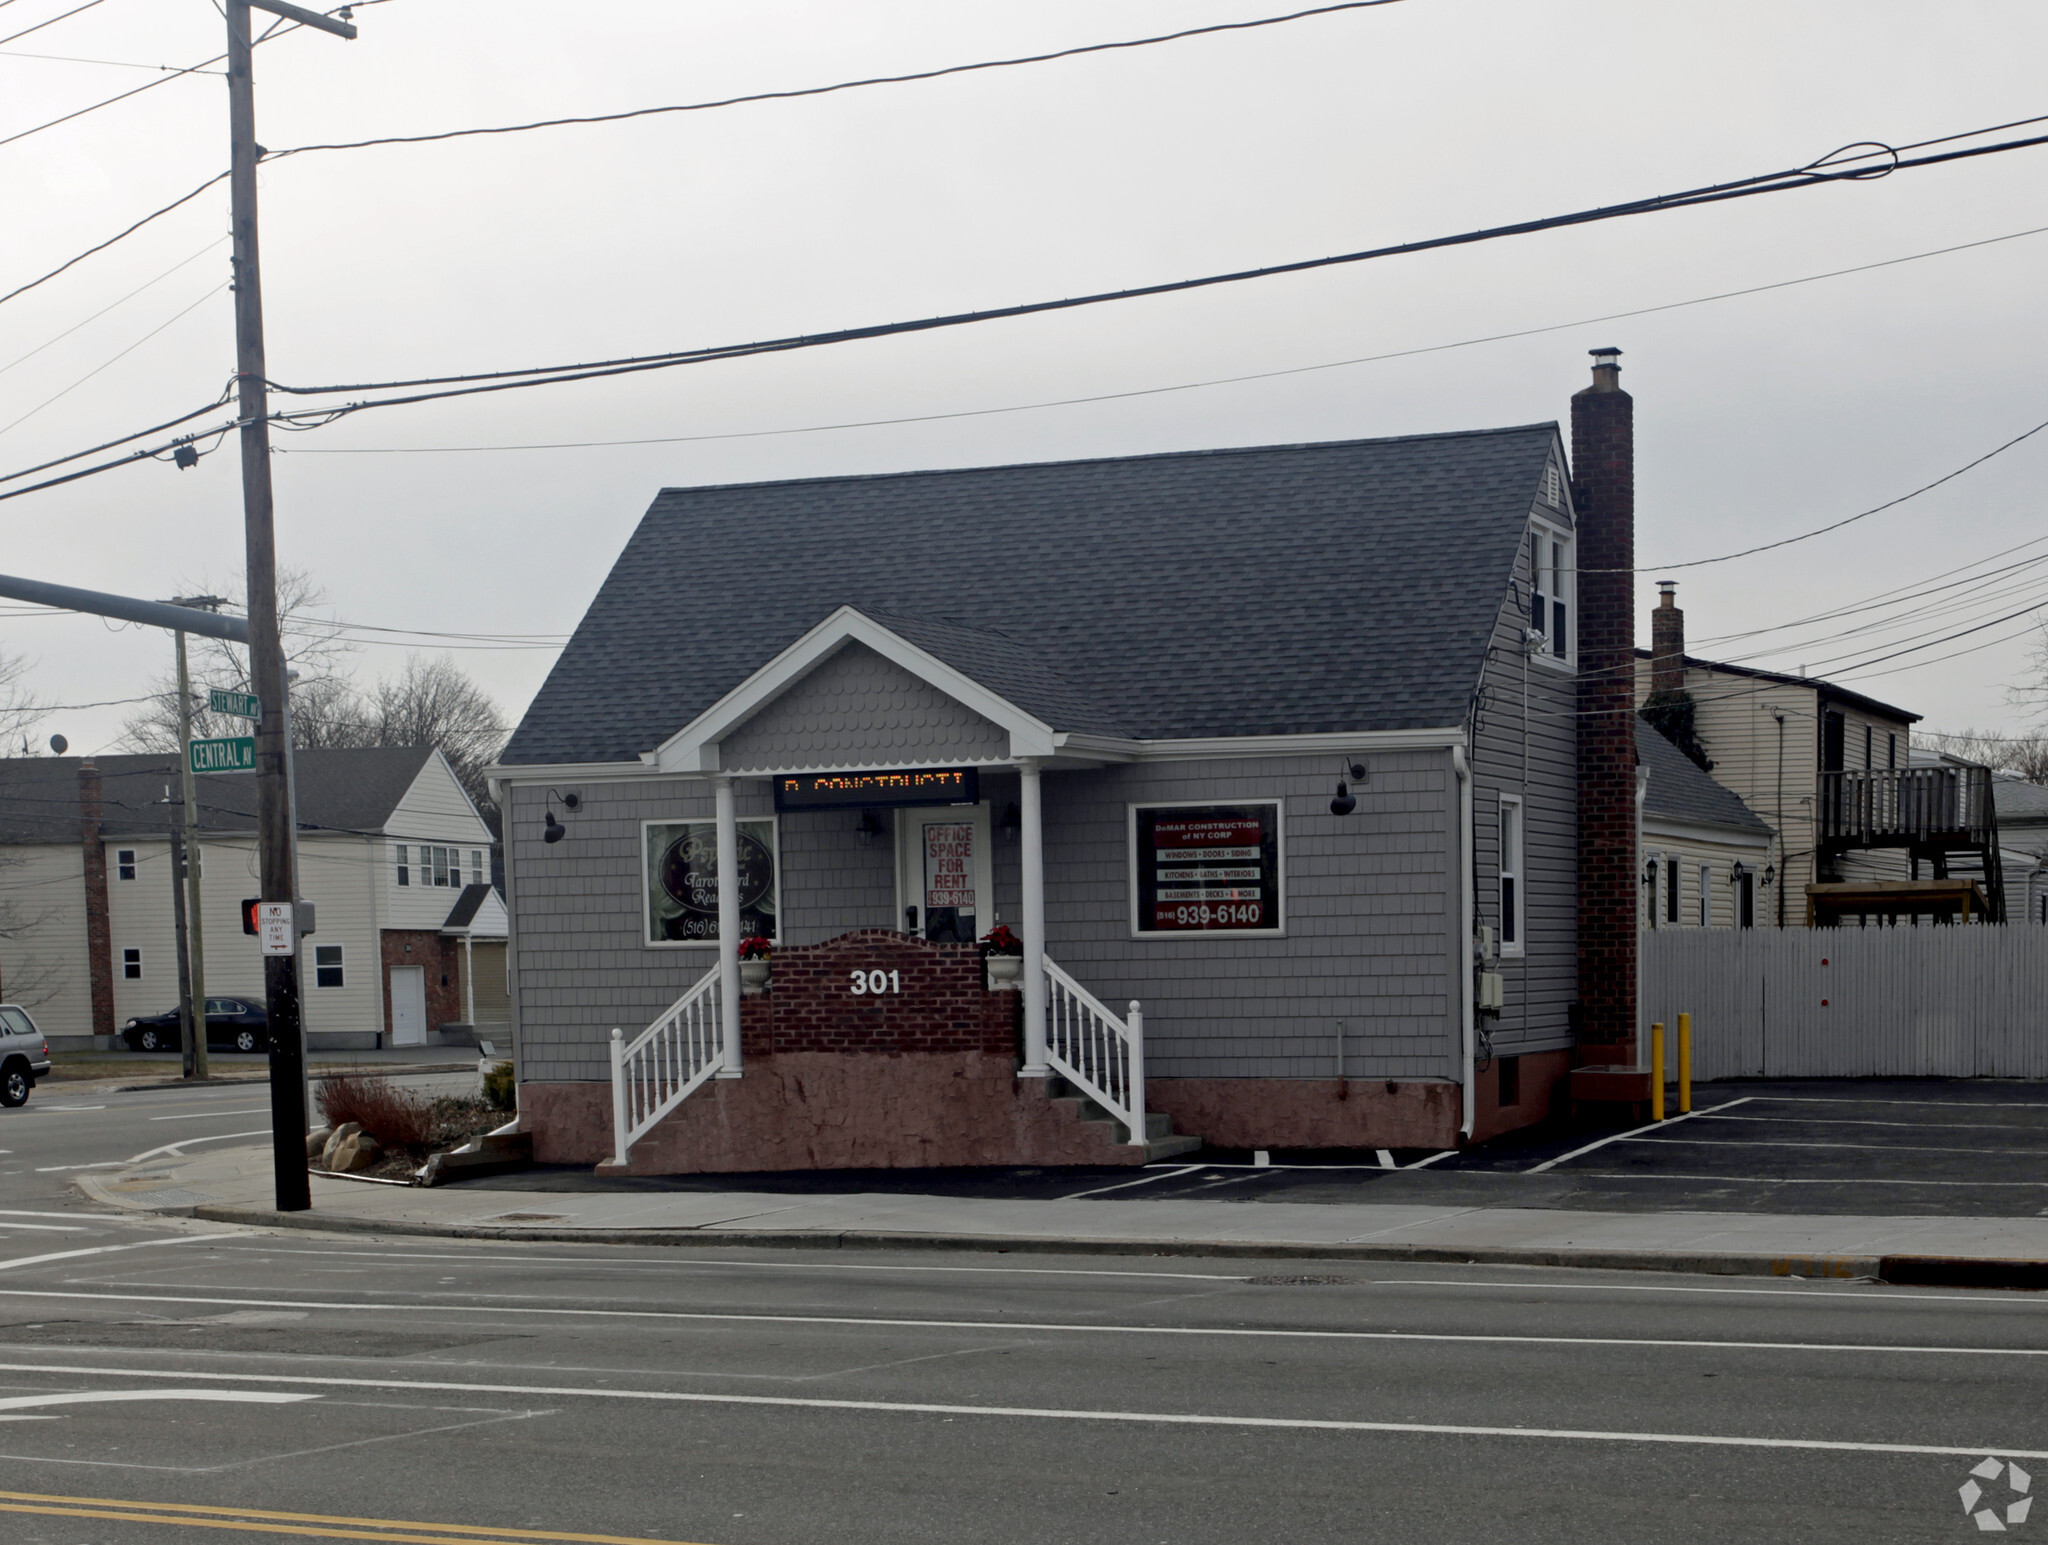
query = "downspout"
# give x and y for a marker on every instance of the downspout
(1469, 1080)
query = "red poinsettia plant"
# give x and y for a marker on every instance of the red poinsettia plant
(1000, 941)
(755, 947)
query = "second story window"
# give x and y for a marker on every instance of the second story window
(404, 869)
(1550, 589)
(124, 863)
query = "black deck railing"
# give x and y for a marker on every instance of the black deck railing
(1908, 807)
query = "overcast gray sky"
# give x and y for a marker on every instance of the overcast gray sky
(1757, 416)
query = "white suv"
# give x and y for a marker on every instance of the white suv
(24, 1055)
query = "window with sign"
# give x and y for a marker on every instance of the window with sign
(1206, 869)
(680, 871)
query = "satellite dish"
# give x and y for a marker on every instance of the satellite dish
(59, 744)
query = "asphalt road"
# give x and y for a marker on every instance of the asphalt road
(170, 1383)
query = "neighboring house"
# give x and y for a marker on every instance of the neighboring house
(392, 855)
(1704, 852)
(1860, 831)
(1271, 744)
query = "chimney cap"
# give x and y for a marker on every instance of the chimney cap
(1610, 355)
(1667, 587)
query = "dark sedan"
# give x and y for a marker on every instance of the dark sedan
(232, 1024)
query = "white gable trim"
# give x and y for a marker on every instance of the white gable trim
(695, 747)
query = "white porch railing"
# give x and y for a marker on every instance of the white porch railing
(1099, 1054)
(661, 1066)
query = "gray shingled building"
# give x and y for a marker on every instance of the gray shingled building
(1107, 706)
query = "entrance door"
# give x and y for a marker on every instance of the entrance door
(943, 889)
(408, 1006)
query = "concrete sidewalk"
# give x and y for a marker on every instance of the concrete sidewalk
(234, 1186)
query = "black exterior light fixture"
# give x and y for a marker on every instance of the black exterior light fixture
(1770, 873)
(869, 829)
(1346, 801)
(555, 831)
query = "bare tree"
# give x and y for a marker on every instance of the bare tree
(322, 696)
(2024, 756)
(433, 702)
(19, 710)
(25, 978)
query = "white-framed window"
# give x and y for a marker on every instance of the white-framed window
(1207, 868)
(329, 966)
(1553, 590)
(1512, 899)
(131, 965)
(1672, 900)
(477, 873)
(1705, 901)
(404, 868)
(124, 863)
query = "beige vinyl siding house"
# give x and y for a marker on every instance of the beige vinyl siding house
(1704, 852)
(359, 811)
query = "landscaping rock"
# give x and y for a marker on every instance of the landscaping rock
(335, 1139)
(316, 1141)
(360, 1152)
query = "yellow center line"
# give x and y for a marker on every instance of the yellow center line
(268, 1521)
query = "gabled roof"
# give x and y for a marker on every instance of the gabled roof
(1293, 589)
(348, 791)
(1826, 689)
(2017, 800)
(1679, 791)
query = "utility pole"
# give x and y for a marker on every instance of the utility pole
(195, 1062)
(266, 646)
(185, 1014)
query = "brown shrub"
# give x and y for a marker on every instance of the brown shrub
(389, 1114)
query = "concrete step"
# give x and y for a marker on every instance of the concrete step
(1170, 1148)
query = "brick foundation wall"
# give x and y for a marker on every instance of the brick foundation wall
(1603, 490)
(936, 1001)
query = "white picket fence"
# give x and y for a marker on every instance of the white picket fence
(1954, 1002)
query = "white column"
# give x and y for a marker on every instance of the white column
(468, 983)
(728, 925)
(1031, 858)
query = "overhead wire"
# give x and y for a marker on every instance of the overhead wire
(38, 27)
(115, 64)
(74, 327)
(73, 262)
(138, 343)
(837, 86)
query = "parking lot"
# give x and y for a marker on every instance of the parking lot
(1932, 1147)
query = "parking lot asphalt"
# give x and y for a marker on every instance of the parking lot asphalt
(1876, 1148)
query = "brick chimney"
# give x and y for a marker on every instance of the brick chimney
(1667, 640)
(1603, 493)
(99, 940)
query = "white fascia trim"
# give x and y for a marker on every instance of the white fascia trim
(694, 748)
(1657, 827)
(1112, 748)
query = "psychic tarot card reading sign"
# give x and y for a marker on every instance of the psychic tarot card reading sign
(1208, 868)
(682, 881)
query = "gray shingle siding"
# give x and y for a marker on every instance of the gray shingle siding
(857, 709)
(1525, 743)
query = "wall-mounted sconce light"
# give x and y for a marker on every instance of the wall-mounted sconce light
(1346, 801)
(1738, 871)
(554, 830)
(1013, 821)
(1770, 873)
(869, 829)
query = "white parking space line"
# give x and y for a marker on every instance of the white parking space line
(1056, 1413)
(1876, 1296)
(497, 1308)
(204, 1115)
(193, 1142)
(60, 1169)
(1142, 1180)
(247, 1397)
(1768, 1142)
(13, 1212)
(46, 1228)
(141, 1244)
(1914, 1126)
(1798, 1180)
(1563, 1158)
(1827, 1099)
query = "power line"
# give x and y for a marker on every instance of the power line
(138, 343)
(117, 64)
(1153, 391)
(845, 85)
(118, 236)
(74, 327)
(38, 27)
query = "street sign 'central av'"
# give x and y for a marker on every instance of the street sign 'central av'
(236, 705)
(236, 754)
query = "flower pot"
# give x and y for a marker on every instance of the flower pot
(754, 975)
(1005, 972)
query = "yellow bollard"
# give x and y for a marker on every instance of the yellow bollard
(1657, 1072)
(1685, 1064)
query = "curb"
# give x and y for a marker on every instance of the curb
(315, 1076)
(1697, 1262)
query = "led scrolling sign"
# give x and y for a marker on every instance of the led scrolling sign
(877, 790)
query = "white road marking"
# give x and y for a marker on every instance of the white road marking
(247, 1397)
(46, 1228)
(1563, 1158)
(16, 1212)
(143, 1244)
(59, 1169)
(1881, 1298)
(170, 1295)
(1056, 1413)
(203, 1115)
(1425, 1163)
(191, 1142)
(1386, 1158)
(1767, 1142)
(1822, 1099)
(64, 1110)
(1781, 1180)
(1917, 1126)
(1143, 1180)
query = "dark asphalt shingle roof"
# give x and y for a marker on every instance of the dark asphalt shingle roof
(2018, 800)
(352, 790)
(1349, 585)
(463, 913)
(1679, 791)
